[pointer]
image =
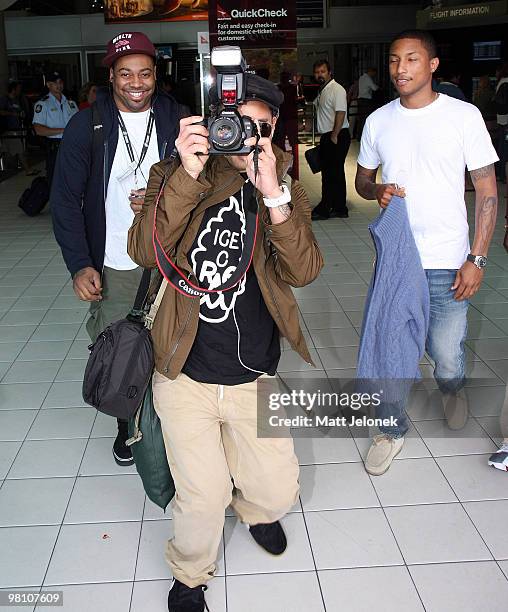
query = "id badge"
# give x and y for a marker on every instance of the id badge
(128, 172)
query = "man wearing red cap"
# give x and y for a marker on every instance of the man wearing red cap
(99, 184)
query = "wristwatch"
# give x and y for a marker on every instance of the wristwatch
(479, 261)
(285, 198)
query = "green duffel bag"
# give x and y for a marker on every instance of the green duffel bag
(149, 452)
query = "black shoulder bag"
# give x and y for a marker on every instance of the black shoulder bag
(121, 362)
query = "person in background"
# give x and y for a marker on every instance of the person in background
(502, 127)
(483, 99)
(167, 84)
(333, 125)
(287, 123)
(180, 94)
(300, 100)
(87, 95)
(352, 104)
(51, 114)
(450, 84)
(366, 89)
(98, 190)
(424, 140)
(13, 119)
(300, 93)
(499, 459)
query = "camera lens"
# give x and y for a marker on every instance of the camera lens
(225, 133)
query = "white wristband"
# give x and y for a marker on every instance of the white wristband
(285, 198)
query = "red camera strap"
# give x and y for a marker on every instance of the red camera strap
(179, 280)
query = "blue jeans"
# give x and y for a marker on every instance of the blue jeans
(445, 345)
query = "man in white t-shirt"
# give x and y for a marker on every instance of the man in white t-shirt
(100, 177)
(366, 89)
(424, 140)
(366, 84)
(333, 125)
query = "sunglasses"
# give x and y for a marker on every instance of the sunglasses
(264, 128)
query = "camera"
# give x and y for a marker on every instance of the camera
(227, 129)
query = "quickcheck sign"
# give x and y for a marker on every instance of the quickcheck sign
(253, 24)
(259, 13)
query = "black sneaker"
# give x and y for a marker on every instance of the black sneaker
(121, 452)
(270, 536)
(182, 598)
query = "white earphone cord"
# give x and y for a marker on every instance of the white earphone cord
(236, 322)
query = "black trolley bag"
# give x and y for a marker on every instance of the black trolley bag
(35, 197)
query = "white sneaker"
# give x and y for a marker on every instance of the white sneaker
(456, 410)
(383, 451)
(499, 459)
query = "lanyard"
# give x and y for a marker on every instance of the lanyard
(146, 142)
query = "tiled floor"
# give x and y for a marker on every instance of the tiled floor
(429, 535)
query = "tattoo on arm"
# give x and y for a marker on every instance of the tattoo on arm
(485, 221)
(484, 181)
(285, 210)
(365, 182)
(481, 173)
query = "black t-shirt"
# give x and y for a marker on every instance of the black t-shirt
(216, 355)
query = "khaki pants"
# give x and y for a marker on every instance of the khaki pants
(210, 433)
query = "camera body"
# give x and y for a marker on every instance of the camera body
(227, 129)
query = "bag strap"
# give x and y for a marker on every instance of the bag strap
(144, 285)
(150, 317)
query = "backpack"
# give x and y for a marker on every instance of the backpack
(35, 198)
(501, 100)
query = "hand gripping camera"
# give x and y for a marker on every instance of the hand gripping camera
(227, 129)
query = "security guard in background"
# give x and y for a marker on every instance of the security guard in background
(51, 115)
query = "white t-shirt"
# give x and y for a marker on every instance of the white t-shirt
(119, 214)
(502, 119)
(426, 150)
(366, 86)
(331, 98)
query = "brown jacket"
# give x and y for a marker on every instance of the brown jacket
(285, 254)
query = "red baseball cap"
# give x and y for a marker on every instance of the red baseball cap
(128, 43)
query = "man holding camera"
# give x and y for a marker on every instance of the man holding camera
(101, 173)
(210, 351)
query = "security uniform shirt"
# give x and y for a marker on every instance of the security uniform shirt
(53, 113)
(235, 329)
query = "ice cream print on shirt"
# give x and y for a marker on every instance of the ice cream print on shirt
(216, 254)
